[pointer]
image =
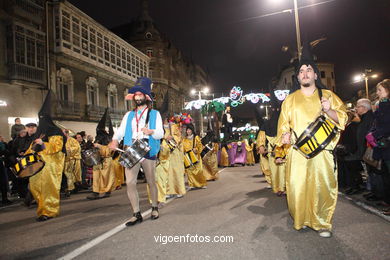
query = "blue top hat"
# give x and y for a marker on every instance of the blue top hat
(143, 85)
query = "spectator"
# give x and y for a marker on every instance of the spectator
(381, 133)
(353, 161)
(15, 129)
(3, 174)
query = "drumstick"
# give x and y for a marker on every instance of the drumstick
(119, 150)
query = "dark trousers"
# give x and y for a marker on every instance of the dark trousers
(353, 176)
(3, 181)
(386, 182)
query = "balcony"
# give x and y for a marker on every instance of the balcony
(32, 10)
(27, 73)
(93, 112)
(117, 114)
(67, 110)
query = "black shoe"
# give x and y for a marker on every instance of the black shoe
(348, 191)
(106, 195)
(67, 194)
(355, 191)
(138, 219)
(155, 216)
(368, 195)
(28, 199)
(373, 198)
(6, 202)
(43, 218)
(93, 196)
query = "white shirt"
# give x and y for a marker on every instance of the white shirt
(158, 133)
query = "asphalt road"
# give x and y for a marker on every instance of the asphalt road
(237, 208)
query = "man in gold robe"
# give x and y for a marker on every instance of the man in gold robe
(72, 169)
(261, 144)
(311, 184)
(50, 145)
(176, 183)
(103, 173)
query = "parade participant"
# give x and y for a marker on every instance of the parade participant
(142, 123)
(176, 184)
(103, 175)
(262, 143)
(118, 169)
(50, 145)
(192, 143)
(240, 155)
(209, 159)
(311, 184)
(224, 157)
(16, 128)
(250, 158)
(276, 169)
(227, 123)
(72, 168)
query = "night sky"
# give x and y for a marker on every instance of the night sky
(226, 39)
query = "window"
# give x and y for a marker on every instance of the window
(65, 84)
(112, 96)
(149, 52)
(92, 91)
(28, 47)
(323, 74)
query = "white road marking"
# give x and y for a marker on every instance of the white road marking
(104, 236)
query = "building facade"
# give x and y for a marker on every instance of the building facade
(327, 76)
(172, 72)
(53, 45)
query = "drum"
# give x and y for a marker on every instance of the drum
(207, 148)
(190, 159)
(316, 137)
(91, 157)
(134, 153)
(171, 144)
(28, 165)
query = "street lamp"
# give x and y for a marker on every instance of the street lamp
(364, 76)
(205, 91)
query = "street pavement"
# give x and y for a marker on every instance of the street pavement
(238, 207)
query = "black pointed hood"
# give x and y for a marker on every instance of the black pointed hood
(163, 109)
(102, 137)
(307, 58)
(46, 125)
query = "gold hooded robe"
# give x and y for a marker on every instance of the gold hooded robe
(196, 179)
(210, 164)
(72, 169)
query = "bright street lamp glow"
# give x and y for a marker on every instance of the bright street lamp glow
(261, 106)
(206, 90)
(193, 91)
(358, 78)
(374, 76)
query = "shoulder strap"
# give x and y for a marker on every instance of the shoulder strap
(320, 93)
(147, 116)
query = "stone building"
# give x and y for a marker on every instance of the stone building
(87, 67)
(172, 72)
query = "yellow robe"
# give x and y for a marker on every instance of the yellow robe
(162, 171)
(250, 158)
(224, 161)
(119, 171)
(210, 164)
(72, 169)
(195, 175)
(311, 184)
(176, 183)
(264, 163)
(278, 181)
(103, 173)
(45, 185)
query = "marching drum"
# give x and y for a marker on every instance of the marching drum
(207, 148)
(190, 159)
(28, 165)
(171, 144)
(316, 137)
(134, 153)
(91, 157)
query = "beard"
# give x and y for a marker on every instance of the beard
(140, 102)
(305, 85)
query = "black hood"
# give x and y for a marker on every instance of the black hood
(102, 137)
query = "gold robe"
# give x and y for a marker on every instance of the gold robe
(278, 181)
(250, 158)
(103, 173)
(311, 184)
(119, 171)
(45, 185)
(162, 171)
(210, 164)
(72, 169)
(176, 183)
(224, 161)
(264, 163)
(196, 179)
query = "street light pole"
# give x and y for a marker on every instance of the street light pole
(366, 80)
(200, 114)
(297, 29)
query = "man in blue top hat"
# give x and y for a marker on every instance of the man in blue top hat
(141, 123)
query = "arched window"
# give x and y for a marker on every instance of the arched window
(92, 91)
(64, 84)
(112, 96)
(128, 103)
